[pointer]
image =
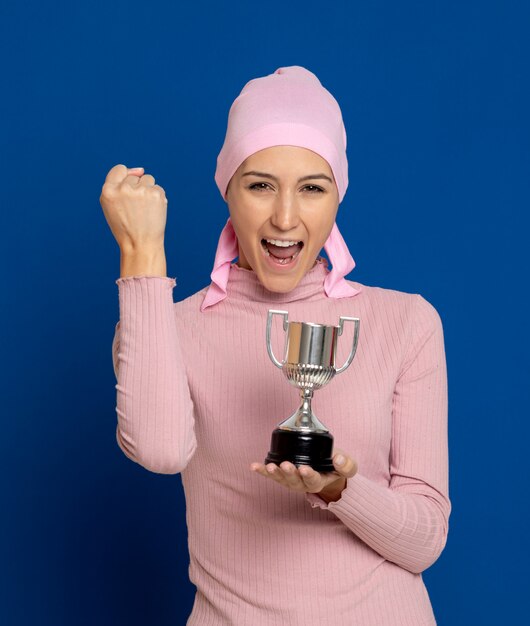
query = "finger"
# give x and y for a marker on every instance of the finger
(269, 471)
(348, 467)
(275, 473)
(162, 191)
(289, 478)
(132, 179)
(259, 468)
(312, 479)
(147, 180)
(292, 475)
(119, 173)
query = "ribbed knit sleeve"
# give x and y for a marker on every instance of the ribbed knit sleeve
(153, 402)
(407, 521)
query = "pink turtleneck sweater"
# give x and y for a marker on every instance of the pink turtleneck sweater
(198, 395)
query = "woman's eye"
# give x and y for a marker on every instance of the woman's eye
(255, 186)
(317, 189)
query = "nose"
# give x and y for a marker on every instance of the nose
(286, 213)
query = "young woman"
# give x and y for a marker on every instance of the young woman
(198, 395)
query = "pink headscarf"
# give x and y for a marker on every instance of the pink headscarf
(288, 107)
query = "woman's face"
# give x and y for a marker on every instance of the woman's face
(284, 193)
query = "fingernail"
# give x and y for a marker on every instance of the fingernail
(136, 168)
(339, 459)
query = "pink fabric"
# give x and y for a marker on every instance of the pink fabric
(198, 395)
(287, 107)
(227, 249)
(342, 261)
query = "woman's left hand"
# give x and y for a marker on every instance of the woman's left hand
(304, 478)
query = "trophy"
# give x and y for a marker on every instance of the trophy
(308, 364)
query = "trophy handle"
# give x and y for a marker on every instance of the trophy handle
(355, 339)
(268, 337)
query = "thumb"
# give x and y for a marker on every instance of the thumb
(348, 468)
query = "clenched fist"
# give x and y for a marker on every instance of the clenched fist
(135, 209)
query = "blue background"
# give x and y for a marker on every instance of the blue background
(435, 99)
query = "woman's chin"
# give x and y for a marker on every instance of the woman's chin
(279, 282)
(276, 276)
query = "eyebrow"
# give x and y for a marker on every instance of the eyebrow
(265, 175)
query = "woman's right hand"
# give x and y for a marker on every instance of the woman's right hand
(135, 209)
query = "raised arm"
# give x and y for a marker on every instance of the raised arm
(407, 521)
(154, 407)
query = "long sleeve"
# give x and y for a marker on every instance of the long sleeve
(154, 407)
(407, 521)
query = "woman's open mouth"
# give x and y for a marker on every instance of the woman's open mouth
(281, 253)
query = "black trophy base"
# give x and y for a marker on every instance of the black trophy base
(314, 449)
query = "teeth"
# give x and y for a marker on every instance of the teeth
(282, 244)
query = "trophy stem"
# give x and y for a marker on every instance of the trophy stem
(303, 419)
(305, 413)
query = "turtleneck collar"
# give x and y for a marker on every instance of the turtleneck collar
(244, 284)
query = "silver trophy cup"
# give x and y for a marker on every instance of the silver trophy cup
(308, 364)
